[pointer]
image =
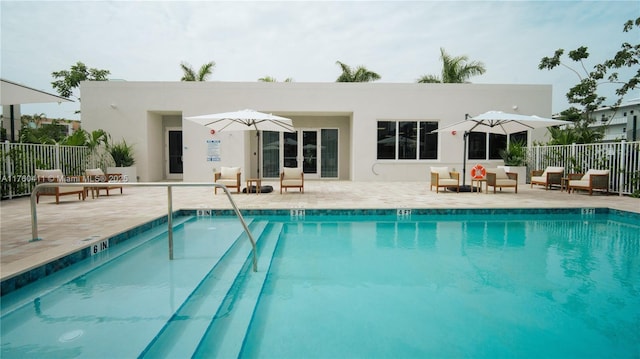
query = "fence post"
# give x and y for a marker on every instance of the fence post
(622, 172)
(7, 166)
(57, 150)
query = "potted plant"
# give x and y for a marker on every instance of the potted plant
(515, 159)
(122, 154)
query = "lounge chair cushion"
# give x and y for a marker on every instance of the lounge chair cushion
(592, 172)
(55, 176)
(229, 173)
(443, 173)
(501, 174)
(505, 182)
(552, 170)
(292, 177)
(448, 182)
(94, 172)
(291, 173)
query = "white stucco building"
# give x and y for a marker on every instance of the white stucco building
(345, 131)
(619, 123)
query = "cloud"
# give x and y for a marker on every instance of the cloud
(147, 40)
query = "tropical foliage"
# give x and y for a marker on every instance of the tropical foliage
(122, 153)
(189, 74)
(456, 69)
(585, 92)
(69, 80)
(515, 154)
(273, 79)
(360, 74)
(34, 131)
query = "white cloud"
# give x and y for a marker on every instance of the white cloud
(146, 41)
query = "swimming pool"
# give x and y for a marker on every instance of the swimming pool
(387, 284)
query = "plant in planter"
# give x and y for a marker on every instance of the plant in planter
(515, 160)
(514, 154)
(122, 154)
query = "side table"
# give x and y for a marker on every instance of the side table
(480, 181)
(258, 183)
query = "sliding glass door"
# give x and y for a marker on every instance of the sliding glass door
(313, 150)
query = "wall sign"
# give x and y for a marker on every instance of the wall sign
(213, 150)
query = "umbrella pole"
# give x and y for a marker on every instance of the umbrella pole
(464, 158)
(258, 152)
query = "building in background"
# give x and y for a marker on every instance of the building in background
(619, 123)
(345, 131)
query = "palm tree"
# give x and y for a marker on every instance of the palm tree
(202, 75)
(361, 74)
(273, 79)
(454, 69)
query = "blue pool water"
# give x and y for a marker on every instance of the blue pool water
(500, 285)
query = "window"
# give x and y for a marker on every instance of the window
(477, 143)
(428, 140)
(497, 143)
(386, 140)
(407, 140)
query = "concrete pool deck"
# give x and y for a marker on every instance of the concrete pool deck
(65, 228)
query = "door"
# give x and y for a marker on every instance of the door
(309, 153)
(174, 153)
(313, 150)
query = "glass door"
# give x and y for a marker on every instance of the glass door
(174, 154)
(313, 150)
(309, 153)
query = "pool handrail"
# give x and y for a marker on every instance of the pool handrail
(169, 185)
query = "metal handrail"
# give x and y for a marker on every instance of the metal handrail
(169, 185)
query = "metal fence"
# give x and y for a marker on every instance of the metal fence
(19, 161)
(621, 158)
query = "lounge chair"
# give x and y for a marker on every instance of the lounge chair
(228, 176)
(547, 178)
(291, 178)
(56, 176)
(499, 178)
(109, 181)
(593, 179)
(442, 177)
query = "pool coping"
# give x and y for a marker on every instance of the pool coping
(31, 275)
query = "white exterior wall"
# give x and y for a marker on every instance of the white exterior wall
(619, 121)
(139, 112)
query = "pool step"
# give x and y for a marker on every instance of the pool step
(181, 334)
(225, 336)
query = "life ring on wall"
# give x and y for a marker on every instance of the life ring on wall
(478, 172)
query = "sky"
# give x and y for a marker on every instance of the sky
(401, 41)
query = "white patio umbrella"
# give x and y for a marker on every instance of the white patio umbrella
(245, 120)
(500, 123)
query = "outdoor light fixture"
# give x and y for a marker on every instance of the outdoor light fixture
(113, 106)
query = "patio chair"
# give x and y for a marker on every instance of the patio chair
(291, 177)
(499, 178)
(442, 177)
(593, 179)
(109, 181)
(228, 176)
(547, 178)
(56, 176)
